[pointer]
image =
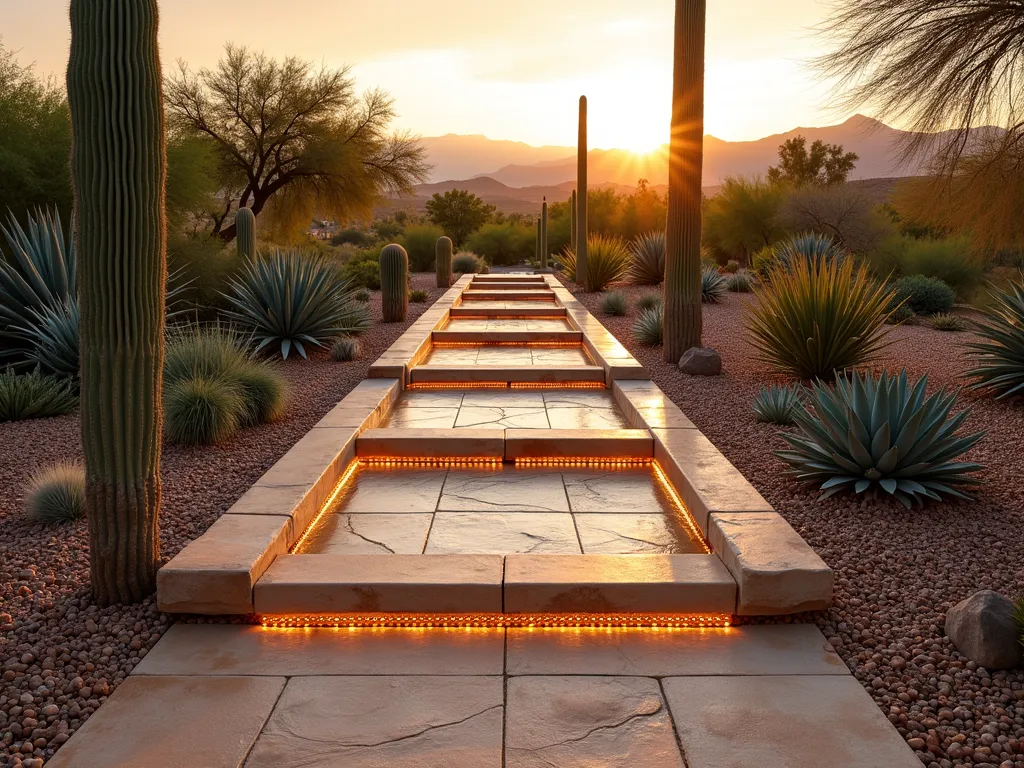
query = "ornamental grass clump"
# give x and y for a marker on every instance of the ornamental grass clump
(777, 404)
(998, 359)
(713, 286)
(947, 322)
(647, 266)
(741, 282)
(812, 320)
(466, 263)
(292, 299)
(614, 304)
(649, 301)
(608, 261)
(345, 350)
(56, 494)
(881, 434)
(417, 296)
(35, 395)
(648, 328)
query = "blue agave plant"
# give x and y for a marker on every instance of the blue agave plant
(881, 433)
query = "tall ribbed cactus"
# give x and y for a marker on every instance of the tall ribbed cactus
(443, 252)
(682, 315)
(245, 233)
(581, 197)
(118, 162)
(544, 234)
(572, 221)
(394, 283)
(536, 245)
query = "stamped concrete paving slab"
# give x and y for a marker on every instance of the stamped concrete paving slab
(615, 490)
(500, 533)
(224, 649)
(627, 534)
(378, 489)
(369, 534)
(372, 722)
(770, 649)
(422, 417)
(503, 398)
(582, 722)
(586, 418)
(509, 490)
(783, 722)
(174, 722)
(491, 417)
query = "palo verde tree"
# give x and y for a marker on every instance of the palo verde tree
(291, 137)
(459, 213)
(823, 165)
(683, 321)
(118, 159)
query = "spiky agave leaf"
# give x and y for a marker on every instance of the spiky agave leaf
(648, 259)
(777, 404)
(35, 395)
(999, 358)
(881, 433)
(713, 286)
(649, 326)
(53, 337)
(292, 299)
(809, 247)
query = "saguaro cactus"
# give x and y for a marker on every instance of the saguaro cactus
(443, 261)
(581, 197)
(682, 328)
(536, 246)
(245, 233)
(118, 160)
(572, 220)
(544, 234)
(394, 283)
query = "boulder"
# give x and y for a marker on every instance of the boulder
(983, 629)
(700, 361)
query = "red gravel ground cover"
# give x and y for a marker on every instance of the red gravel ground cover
(60, 655)
(897, 571)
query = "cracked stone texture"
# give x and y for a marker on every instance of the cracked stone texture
(620, 490)
(426, 398)
(592, 399)
(586, 418)
(583, 722)
(500, 533)
(392, 491)
(507, 491)
(492, 416)
(626, 534)
(424, 417)
(503, 398)
(373, 722)
(369, 534)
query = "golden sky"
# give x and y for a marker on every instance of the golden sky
(508, 70)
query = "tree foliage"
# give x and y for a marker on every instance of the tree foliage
(843, 211)
(744, 217)
(292, 138)
(459, 213)
(822, 165)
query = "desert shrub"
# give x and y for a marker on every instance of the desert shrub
(362, 295)
(206, 265)
(35, 396)
(951, 261)
(649, 301)
(947, 322)
(466, 263)
(56, 494)
(741, 282)
(881, 434)
(902, 314)
(762, 260)
(998, 359)
(292, 299)
(264, 393)
(743, 216)
(647, 266)
(648, 327)
(924, 295)
(352, 237)
(812, 320)
(712, 286)
(362, 273)
(419, 241)
(776, 404)
(508, 243)
(417, 296)
(608, 260)
(345, 350)
(732, 266)
(614, 304)
(202, 411)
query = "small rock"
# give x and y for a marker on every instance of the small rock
(700, 361)
(983, 629)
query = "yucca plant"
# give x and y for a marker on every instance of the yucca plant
(814, 319)
(35, 395)
(290, 299)
(713, 286)
(777, 404)
(614, 304)
(56, 494)
(998, 358)
(741, 282)
(648, 327)
(944, 321)
(649, 301)
(608, 260)
(884, 434)
(648, 259)
(810, 247)
(345, 350)
(53, 336)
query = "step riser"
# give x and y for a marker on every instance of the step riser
(507, 337)
(527, 374)
(508, 296)
(508, 312)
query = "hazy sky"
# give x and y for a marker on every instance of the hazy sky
(508, 70)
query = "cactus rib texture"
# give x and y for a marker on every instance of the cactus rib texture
(394, 283)
(443, 253)
(118, 167)
(682, 252)
(245, 233)
(572, 220)
(581, 197)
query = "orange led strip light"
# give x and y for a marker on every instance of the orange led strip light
(430, 461)
(499, 620)
(345, 480)
(684, 513)
(583, 461)
(480, 344)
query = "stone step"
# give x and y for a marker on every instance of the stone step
(538, 312)
(535, 374)
(432, 443)
(507, 286)
(509, 278)
(507, 337)
(516, 295)
(612, 444)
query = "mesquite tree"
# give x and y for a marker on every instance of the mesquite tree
(682, 328)
(118, 173)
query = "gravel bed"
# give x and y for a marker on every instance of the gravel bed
(897, 571)
(60, 655)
